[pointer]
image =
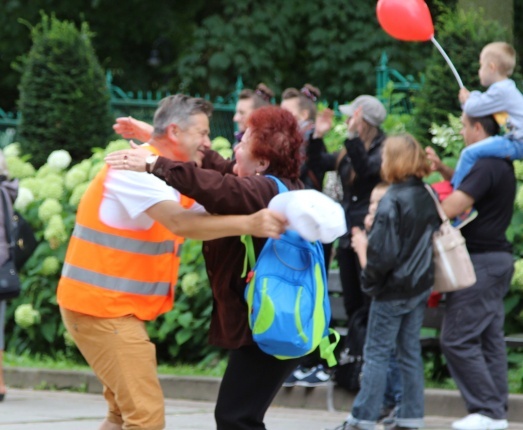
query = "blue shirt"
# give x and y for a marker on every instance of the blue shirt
(502, 96)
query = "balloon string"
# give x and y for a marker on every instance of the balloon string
(447, 59)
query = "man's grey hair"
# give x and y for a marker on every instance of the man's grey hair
(179, 109)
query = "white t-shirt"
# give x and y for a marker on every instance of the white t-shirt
(128, 195)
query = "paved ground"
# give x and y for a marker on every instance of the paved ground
(62, 410)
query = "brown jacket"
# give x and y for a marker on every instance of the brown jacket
(221, 192)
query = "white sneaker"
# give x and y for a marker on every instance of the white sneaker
(479, 422)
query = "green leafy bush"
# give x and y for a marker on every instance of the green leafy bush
(64, 100)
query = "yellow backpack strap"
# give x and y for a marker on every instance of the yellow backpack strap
(327, 347)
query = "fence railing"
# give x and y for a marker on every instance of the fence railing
(392, 88)
(142, 105)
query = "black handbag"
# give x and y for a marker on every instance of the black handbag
(10, 287)
(24, 238)
(9, 280)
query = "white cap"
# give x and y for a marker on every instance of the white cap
(313, 215)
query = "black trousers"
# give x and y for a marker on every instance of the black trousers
(350, 272)
(250, 383)
(472, 337)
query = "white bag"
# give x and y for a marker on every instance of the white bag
(453, 269)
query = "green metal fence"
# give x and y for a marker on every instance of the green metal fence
(393, 89)
(142, 105)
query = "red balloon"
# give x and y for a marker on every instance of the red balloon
(408, 20)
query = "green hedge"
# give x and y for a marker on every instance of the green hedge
(64, 99)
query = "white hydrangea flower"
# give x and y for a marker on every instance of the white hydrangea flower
(51, 186)
(48, 208)
(340, 128)
(85, 165)
(12, 150)
(50, 266)
(19, 168)
(225, 153)
(219, 143)
(95, 169)
(24, 198)
(55, 232)
(75, 177)
(32, 184)
(77, 194)
(519, 198)
(518, 169)
(59, 159)
(26, 316)
(517, 277)
(116, 145)
(46, 170)
(190, 284)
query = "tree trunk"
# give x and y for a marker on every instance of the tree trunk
(500, 10)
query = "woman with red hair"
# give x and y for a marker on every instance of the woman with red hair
(270, 146)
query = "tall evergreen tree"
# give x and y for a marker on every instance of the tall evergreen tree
(64, 99)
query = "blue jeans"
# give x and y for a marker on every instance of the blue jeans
(393, 389)
(495, 146)
(392, 324)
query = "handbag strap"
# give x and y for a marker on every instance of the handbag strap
(8, 226)
(441, 212)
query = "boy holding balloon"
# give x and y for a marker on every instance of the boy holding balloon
(503, 100)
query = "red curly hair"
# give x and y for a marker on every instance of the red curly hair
(275, 137)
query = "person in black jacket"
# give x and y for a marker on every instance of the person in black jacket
(398, 277)
(10, 190)
(358, 165)
(302, 105)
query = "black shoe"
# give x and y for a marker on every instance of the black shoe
(397, 427)
(345, 426)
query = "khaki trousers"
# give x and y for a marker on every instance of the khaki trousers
(124, 360)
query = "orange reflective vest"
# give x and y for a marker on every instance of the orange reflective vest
(110, 272)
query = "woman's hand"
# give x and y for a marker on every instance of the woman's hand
(128, 159)
(434, 160)
(323, 123)
(131, 128)
(354, 123)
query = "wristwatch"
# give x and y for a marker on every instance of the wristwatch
(149, 162)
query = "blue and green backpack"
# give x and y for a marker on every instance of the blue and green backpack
(287, 297)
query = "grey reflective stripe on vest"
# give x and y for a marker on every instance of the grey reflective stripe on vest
(123, 243)
(114, 283)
